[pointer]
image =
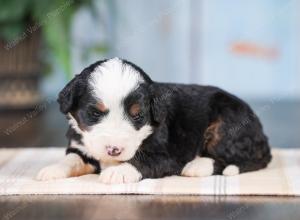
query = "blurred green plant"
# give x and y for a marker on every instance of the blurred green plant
(51, 17)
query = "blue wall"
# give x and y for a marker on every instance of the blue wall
(251, 47)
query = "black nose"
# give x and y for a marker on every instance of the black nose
(114, 151)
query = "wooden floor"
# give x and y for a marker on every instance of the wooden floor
(148, 207)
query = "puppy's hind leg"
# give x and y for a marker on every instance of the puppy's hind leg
(199, 167)
(231, 170)
(71, 165)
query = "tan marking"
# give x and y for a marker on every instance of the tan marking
(85, 169)
(212, 135)
(101, 107)
(134, 109)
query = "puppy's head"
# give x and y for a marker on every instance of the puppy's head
(110, 105)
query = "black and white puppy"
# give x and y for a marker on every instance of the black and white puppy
(127, 127)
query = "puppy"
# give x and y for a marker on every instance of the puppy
(127, 127)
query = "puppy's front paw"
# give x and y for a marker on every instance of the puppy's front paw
(124, 173)
(55, 171)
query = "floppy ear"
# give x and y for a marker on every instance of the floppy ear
(160, 100)
(68, 98)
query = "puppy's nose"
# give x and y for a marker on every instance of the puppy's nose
(113, 150)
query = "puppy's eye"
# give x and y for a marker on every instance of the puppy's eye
(137, 117)
(94, 113)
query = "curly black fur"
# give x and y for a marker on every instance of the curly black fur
(188, 120)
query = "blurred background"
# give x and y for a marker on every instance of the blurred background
(250, 48)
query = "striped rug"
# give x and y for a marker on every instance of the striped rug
(18, 168)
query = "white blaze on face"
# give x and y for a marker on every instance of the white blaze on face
(111, 83)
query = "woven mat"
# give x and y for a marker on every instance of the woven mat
(18, 168)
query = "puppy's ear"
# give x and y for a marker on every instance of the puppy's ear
(160, 100)
(68, 98)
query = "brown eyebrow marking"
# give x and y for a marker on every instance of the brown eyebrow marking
(101, 107)
(134, 109)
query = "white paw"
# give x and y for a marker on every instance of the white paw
(55, 171)
(199, 167)
(124, 173)
(231, 170)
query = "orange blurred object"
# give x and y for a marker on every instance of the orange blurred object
(253, 49)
